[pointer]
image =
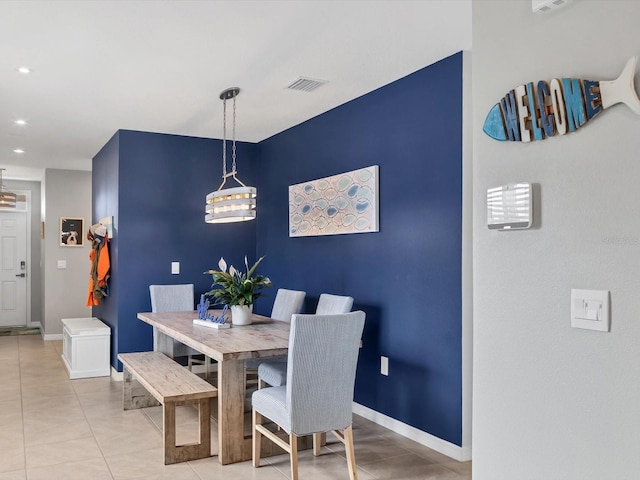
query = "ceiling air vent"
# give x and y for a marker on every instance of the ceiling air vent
(543, 6)
(305, 84)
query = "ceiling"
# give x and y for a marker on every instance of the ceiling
(99, 66)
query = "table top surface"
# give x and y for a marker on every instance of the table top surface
(264, 338)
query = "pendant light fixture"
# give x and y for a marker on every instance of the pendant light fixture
(7, 198)
(235, 204)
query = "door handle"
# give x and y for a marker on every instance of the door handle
(22, 275)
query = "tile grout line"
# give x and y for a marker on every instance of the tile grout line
(364, 469)
(342, 454)
(95, 439)
(24, 434)
(59, 364)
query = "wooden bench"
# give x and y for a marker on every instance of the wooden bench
(170, 384)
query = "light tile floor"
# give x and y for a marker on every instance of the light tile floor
(53, 428)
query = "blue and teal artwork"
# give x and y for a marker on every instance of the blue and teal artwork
(340, 204)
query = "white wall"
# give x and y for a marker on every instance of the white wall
(551, 402)
(68, 194)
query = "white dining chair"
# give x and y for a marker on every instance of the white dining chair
(314, 400)
(274, 372)
(175, 298)
(286, 304)
(329, 304)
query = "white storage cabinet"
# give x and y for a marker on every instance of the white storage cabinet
(86, 346)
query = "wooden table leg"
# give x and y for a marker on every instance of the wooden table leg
(232, 446)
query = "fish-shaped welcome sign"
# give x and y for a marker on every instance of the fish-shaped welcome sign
(540, 110)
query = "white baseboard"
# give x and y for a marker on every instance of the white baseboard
(461, 454)
(54, 336)
(116, 375)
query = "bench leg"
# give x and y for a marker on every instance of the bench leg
(135, 395)
(181, 453)
(204, 409)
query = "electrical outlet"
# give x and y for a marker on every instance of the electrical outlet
(384, 365)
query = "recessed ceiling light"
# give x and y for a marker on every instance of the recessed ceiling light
(24, 70)
(18, 150)
(20, 122)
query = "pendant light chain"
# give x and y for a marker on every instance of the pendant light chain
(224, 138)
(233, 143)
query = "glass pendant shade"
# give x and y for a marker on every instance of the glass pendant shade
(231, 205)
(236, 204)
(7, 198)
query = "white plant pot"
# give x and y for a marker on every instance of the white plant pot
(241, 314)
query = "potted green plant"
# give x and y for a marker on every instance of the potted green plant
(237, 289)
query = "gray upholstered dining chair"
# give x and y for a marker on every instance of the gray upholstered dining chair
(174, 298)
(286, 303)
(274, 372)
(329, 304)
(314, 400)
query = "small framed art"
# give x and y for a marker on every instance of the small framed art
(71, 232)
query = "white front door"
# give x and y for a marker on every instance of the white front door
(13, 269)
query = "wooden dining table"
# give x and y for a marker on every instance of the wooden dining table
(264, 338)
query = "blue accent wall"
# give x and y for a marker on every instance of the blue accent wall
(407, 277)
(104, 188)
(155, 187)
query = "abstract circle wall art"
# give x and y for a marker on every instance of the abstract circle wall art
(336, 205)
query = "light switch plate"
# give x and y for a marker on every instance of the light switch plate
(175, 268)
(62, 264)
(384, 365)
(590, 310)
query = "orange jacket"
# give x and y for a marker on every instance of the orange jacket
(100, 265)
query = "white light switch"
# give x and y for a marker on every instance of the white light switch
(62, 264)
(175, 268)
(590, 310)
(384, 365)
